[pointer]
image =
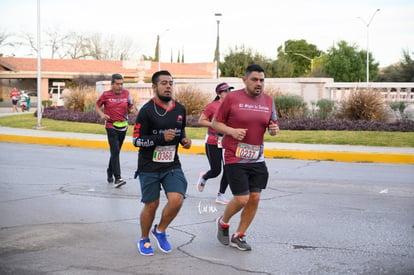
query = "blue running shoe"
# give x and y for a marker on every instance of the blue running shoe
(145, 248)
(162, 241)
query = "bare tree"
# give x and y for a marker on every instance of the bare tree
(126, 49)
(4, 37)
(110, 48)
(95, 46)
(77, 46)
(29, 41)
(55, 42)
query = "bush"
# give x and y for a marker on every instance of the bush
(60, 113)
(80, 98)
(400, 106)
(325, 108)
(193, 99)
(363, 105)
(345, 125)
(47, 103)
(290, 107)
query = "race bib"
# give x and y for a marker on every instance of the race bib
(219, 142)
(247, 151)
(164, 153)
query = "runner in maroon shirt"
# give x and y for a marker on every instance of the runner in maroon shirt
(243, 118)
(213, 145)
(117, 104)
(14, 95)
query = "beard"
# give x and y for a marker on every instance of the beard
(164, 98)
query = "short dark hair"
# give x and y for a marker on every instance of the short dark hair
(116, 77)
(253, 68)
(156, 75)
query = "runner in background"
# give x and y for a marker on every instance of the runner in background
(213, 144)
(117, 104)
(14, 97)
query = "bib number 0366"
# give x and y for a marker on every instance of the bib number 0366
(164, 153)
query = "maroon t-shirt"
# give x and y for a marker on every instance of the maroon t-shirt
(209, 112)
(115, 106)
(14, 94)
(240, 110)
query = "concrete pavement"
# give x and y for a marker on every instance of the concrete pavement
(58, 215)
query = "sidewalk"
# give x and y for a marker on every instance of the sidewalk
(346, 153)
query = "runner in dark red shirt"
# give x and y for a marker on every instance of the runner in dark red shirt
(213, 145)
(14, 95)
(117, 104)
(243, 117)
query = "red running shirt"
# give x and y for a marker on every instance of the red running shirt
(209, 112)
(115, 106)
(240, 110)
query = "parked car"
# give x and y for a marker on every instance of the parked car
(57, 96)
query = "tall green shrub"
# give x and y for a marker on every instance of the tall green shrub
(290, 107)
(325, 108)
(398, 106)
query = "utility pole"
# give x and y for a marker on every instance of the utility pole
(217, 57)
(367, 25)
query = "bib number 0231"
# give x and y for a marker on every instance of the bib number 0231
(247, 151)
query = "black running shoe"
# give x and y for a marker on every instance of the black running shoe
(119, 182)
(109, 177)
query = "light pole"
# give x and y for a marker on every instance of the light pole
(39, 71)
(306, 57)
(217, 57)
(367, 25)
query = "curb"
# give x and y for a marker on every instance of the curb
(197, 149)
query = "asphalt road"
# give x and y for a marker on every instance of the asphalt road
(59, 216)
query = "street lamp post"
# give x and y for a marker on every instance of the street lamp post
(217, 15)
(306, 57)
(367, 25)
(39, 71)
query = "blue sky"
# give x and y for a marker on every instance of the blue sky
(260, 25)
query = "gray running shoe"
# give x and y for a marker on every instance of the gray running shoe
(201, 182)
(239, 242)
(221, 199)
(222, 232)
